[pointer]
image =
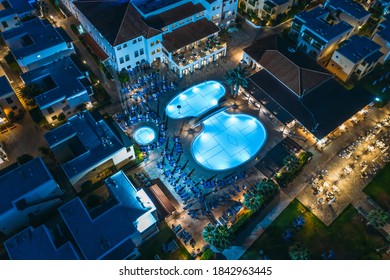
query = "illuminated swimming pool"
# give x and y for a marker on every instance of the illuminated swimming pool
(196, 100)
(144, 135)
(228, 140)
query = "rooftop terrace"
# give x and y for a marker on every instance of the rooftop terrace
(20, 181)
(31, 37)
(58, 80)
(96, 142)
(38, 244)
(315, 21)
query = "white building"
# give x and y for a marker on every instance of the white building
(36, 43)
(88, 147)
(268, 8)
(63, 88)
(133, 33)
(357, 56)
(12, 11)
(381, 36)
(348, 11)
(318, 32)
(25, 192)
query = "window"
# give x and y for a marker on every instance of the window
(125, 46)
(152, 44)
(127, 57)
(136, 54)
(157, 41)
(14, 108)
(54, 118)
(9, 100)
(213, 8)
(5, 24)
(119, 48)
(158, 50)
(141, 51)
(134, 42)
(139, 39)
(153, 52)
(121, 60)
(50, 111)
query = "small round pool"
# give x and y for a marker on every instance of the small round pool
(144, 135)
(228, 140)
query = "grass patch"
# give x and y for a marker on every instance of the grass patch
(379, 188)
(153, 246)
(348, 236)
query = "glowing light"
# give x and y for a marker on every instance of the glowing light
(195, 89)
(214, 102)
(144, 135)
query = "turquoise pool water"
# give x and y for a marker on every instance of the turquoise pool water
(228, 140)
(144, 135)
(195, 100)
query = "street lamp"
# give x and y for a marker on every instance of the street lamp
(179, 107)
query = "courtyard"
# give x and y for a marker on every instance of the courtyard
(347, 237)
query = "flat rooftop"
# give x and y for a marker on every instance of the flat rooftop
(315, 20)
(322, 110)
(31, 37)
(10, 7)
(384, 28)
(357, 48)
(5, 87)
(348, 6)
(38, 244)
(20, 181)
(59, 80)
(96, 142)
(98, 238)
(175, 14)
(188, 34)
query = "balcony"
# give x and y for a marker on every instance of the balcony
(197, 52)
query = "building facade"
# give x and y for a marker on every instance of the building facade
(10, 105)
(137, 32)
(87, 148)
(357, 57)
(36, 43)
(12, 11)
(25, 192)
(268, 9)
(381, 36)
(317, 32)
(63, 88)
(348, 11)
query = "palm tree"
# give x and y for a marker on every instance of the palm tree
(235, 78)
(377, 218)
(266, 187)
(298, 252)
(208, 233)
(292, 163)
(224, 35)
(220, 237)
(253, 201)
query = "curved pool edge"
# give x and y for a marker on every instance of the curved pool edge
(168, 113)
(242, 163)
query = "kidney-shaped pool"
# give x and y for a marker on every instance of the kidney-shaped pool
(228, 140)
(196, 100)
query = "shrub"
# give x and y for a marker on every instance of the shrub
(24, 159)
(207, 255)
(87, 186)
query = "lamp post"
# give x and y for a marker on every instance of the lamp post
(179, 107)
